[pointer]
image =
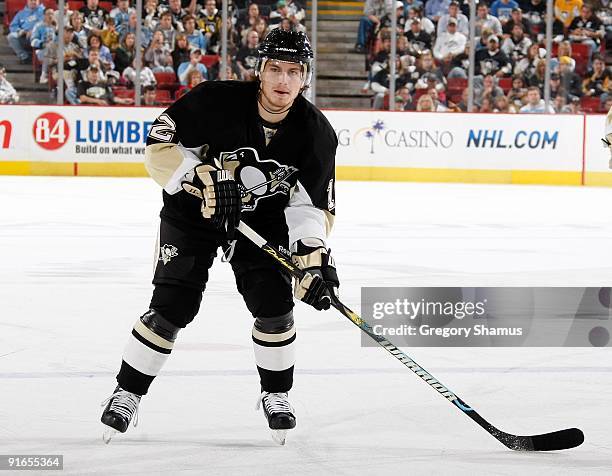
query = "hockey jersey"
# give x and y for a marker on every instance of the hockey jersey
(286, 184)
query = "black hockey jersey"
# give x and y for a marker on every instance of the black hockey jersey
(286, 184)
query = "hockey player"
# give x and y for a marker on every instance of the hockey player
(229, 151)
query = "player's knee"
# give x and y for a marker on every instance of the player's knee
(274, 325)
(178, 304)
(159, 325)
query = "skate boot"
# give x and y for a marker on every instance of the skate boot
(121, 407)
(279, 413)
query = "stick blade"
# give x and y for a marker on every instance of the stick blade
(558, 440)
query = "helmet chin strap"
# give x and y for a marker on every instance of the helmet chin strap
(268, 110)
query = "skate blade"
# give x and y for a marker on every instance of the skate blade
(279, 436)
(108, 434)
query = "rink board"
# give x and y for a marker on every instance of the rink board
(372, 145)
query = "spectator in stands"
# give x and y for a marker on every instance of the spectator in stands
(168, 31)
(373, 12)
(403, 99)
(121, 13)
(426, 65)
(501, 104)
(555, 86)
(110, 36)
(597, 81)
(425, 104)
(567, 10)
(462, 105)
(517, 18)
(125, 53)
(463, 25)
(426, 24)
(385, 21)
(283, 11)
(526, 66)
(449, 44)
(151, 14)
(193, 63)
(246, 58)
(487, 88)
(72, 52)
(458, 66)
(485, 21)
(195, 38)
(80, 33)
(502, 9)
(517, 94)
(93, 16)
(382, 80)
(194, 78)
(486, 106)
(67, 14)
(418, 39)
(177, 12)
(435, 9)
(249, 19)
(439, 98)
(537, 78)
(534, 11)
(20, 29)
(233, 37)
(296, 12)
(75, 70)
(570, 81)
(8, 94)
(130, 27)
(42, 35)
(564, 49)
(158, 56)
(492, 60)
(587, 29)
(534, 102)
(210, 24)
(96, 92)
(181, 51)
(106, 57)
(149, 96)
(517, 44)
(147, 78)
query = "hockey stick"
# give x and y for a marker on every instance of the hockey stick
(557, 440)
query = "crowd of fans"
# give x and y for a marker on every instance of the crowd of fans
(180, 44)
(433, 55)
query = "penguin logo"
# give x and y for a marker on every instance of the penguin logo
(257, 178)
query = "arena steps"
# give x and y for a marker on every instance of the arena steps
(21, 76)
(341, 72)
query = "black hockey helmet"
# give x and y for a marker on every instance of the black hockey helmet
(289, 46)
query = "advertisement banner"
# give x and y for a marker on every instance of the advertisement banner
(597, 155)
(75, 134)
(474, 141)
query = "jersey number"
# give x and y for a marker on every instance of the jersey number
(164, 130)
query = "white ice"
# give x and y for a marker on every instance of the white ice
(75, 268)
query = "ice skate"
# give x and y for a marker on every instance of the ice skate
(279, 413)
(121, 407)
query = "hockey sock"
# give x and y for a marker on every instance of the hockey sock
(274, 346)
(146, 352)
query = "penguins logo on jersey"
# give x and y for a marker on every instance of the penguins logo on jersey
(257, 178)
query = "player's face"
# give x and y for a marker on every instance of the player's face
(281, 83)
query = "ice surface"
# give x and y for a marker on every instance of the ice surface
(75, 273)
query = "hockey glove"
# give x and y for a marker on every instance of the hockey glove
(320, 282)
(220, 196)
